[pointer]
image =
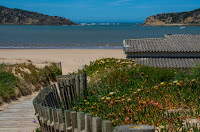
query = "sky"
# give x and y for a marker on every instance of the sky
(103, 10)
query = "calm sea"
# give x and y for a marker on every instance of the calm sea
(83, 36)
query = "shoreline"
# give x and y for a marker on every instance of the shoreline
(63, 47)
(170, 25)
(71, 59)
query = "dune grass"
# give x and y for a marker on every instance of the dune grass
(23, 79)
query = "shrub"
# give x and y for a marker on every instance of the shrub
(8, 82)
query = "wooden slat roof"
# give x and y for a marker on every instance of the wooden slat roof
(170, 43)
(168, 62)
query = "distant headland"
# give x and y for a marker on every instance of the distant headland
(10, 16)
(191, 18)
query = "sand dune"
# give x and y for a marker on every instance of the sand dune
(71, 59)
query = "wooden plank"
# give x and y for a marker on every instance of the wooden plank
(66, 94)
(74, 120)
(82, 86)
(68, 124)
(46, 118)
(74, 89)
(60, 120)
(55, 120)
(55, 93)
(88, 122)
(69, 90)
(77, 84)
(62, 94)
(96, 124)
(50, 119)
(80, 121)
(106, 126)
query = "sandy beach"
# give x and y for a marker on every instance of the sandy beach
(71, 59)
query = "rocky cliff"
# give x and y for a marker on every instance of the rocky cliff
(173, 19)
(22, 17)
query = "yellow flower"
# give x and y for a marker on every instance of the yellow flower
(175, 81)
(123, 99)
(108, 98)
(138, 90)
(102, 98)
(111, 93)
(128, 99)
(156, 87)
(162, 83)
(178, 84)
(87, 103)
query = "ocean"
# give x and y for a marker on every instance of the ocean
(83, 36)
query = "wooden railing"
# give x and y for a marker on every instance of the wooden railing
(52, 104)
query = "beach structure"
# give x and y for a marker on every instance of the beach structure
(172, 51)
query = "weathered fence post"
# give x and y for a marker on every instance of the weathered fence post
(68, 121)
(80, 121)
(88, 122)
(50, 119)
(74, 120)
(61, 121)
(106, 126)
(83, 85)
(55, 120)
(134, 128)
(96, 124)
(77, 78)
(59, 65)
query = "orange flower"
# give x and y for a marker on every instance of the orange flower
(170, 84)
(123, 99)
(156, 87)
(143, 102)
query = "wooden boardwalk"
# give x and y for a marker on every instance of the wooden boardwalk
(18, 116)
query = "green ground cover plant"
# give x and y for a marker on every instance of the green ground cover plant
(8, 82)
(127, 93)
(25, 78)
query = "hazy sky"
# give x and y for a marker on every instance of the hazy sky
(103, 10)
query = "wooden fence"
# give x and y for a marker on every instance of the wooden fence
(52, 109)
(52, 104)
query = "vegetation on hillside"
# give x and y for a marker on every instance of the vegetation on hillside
(126, 93)
(23, 79)
(185, 18)
(22, 17)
